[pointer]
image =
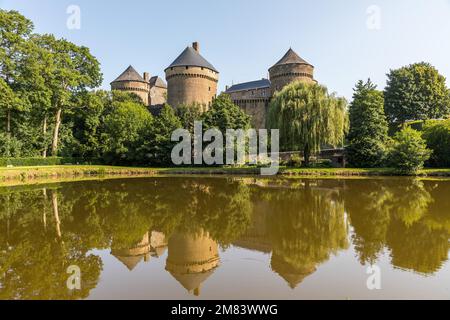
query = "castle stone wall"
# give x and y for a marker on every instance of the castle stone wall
(254, 103)
(282, 75)
(141, 89)
(187, 85)
(158, 96)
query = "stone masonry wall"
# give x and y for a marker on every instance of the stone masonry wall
(187, 85)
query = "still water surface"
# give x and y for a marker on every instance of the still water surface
(226, 238)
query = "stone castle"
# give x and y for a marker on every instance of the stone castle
(192, 79)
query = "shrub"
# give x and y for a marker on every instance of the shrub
(437, 136)
(409, 151)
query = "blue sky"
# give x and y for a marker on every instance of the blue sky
(243, 38)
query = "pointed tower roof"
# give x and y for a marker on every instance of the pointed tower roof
(130, 74)
(192, 281)
(291, 57)
(293, 275)
(157, 82)
(130, 262)
(191, 58)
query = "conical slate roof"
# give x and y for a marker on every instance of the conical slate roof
(191, 58)
(130, 74)
(291, 57)
(157, 82)
(130, 262)
(293, 275)
(192, 281)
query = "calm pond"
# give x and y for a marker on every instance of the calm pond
(226, 238)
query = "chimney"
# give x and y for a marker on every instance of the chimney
(146, 76)
(196, 46)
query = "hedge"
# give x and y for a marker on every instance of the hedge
(437, 136)
(51, 161)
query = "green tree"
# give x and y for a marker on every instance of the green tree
(437, 136)
(416, 92)
(88, 121)
(75, 70)
(224, 114)
(156, 144)
(188, 114)
(308, 118)
(368, 127)
(409, 151)
(8, 102)
(123, 129)
(15, 29)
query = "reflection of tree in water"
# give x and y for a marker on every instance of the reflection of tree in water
(305, 227)
(44, 233)
(35, 253)
(407, 216)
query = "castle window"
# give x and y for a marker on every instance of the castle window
(209, 88)
(187, 67)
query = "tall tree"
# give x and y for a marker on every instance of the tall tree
(156, 143)
(74, 70)
(15, 29)
(224, 114)
(368, 126)
(123, 129)
(308, 118)
(416, 92)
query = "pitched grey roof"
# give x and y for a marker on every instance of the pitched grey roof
(157, 82)
(291, 57)
(130, 74)
(190, 57)
(258, 84)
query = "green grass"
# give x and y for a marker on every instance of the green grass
(27, 175)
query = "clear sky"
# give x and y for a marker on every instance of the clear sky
(345, 40)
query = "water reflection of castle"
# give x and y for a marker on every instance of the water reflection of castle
(192, 258)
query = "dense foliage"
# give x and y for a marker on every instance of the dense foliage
(308, 118)
(437, 136)
(416, 92)
(368, 127)
(409, 151)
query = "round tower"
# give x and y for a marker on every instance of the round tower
(131, 257)
(191, 79)
(192, 259)
(131, 81)
(289, 69)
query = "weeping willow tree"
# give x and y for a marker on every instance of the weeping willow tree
(308, 118)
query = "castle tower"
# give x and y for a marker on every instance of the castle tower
(131, 81)
(293, 274)
(192, 259)
(191, 79)
(131, 257)
(289, 69)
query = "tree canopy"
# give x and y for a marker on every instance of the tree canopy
(368, 127)
(308, 118)
(416, 92)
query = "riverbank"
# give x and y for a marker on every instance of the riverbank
(26, 175)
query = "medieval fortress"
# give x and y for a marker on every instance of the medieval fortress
(192, 79)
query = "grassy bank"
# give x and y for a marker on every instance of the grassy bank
(26, 175)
